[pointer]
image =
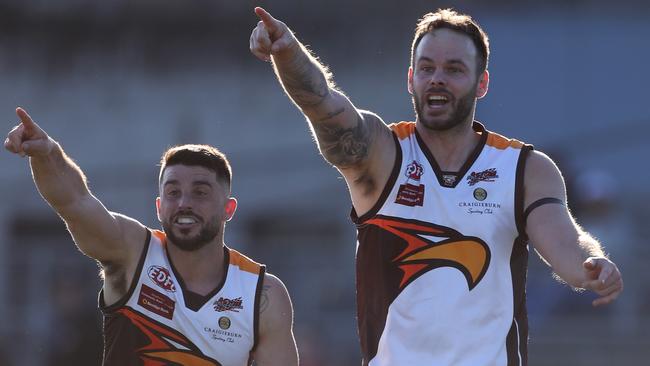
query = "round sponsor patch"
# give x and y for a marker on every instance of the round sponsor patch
(224, 322)
(161, 277)
(480, 194)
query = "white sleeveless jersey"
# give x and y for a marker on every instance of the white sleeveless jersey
(442, 259)
(158, 323)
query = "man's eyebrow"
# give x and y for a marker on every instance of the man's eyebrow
(196, 182)
(456, 61)
(452, 61)
(202, 183)
(171, 181)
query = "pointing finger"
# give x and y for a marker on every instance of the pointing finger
(26, 120)
(268, 20)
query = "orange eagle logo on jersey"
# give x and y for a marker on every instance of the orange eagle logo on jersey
(166, 346)
(468, 254)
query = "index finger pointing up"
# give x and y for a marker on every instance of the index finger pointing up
(268, 20)
(25, 119)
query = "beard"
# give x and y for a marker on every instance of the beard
(463, 108)
(208, 232)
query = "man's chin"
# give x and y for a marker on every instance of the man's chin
(438, 125)
(191, 238)
(185, 240)
(188, 244)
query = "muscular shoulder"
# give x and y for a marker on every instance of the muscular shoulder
(542, 178)
(132, 235)
(276, 310)
(119, 268)
(276, 345)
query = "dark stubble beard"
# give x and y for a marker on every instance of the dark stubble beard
(208, 232)
(459, 114)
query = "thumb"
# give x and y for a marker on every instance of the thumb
(590, 264)
(37, 147)
(280, 44)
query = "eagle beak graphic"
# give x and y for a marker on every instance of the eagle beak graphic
(468, 254)
(165, 345)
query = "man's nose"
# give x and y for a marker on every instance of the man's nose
(185, 201)
(438, 77)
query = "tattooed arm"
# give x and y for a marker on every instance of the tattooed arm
(276, 344)
(358, 143)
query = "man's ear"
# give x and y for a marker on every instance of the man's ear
(410, 80)
(231, 207)
(483, 83)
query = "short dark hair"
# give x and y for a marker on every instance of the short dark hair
(197, 155)
(451, 19)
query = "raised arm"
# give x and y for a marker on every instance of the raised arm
(575, 256)
(358, 143)
(97, 232)
(276, 345)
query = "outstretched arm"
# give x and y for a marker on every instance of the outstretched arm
(305, 80)
(358, 143)
(575, 256)
(276, 345)
(97, 232)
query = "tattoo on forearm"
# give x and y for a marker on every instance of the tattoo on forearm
(344, 147)
(305, 79)
(331, 115)
(264, 298)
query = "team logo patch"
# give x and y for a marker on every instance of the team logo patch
(488, 175)
(156, 302)
(480, 194)
(224, 322)
(223, 335)
(414, 171)
(449, 179)
(224, 304)
(410, 195)
(161, 277)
